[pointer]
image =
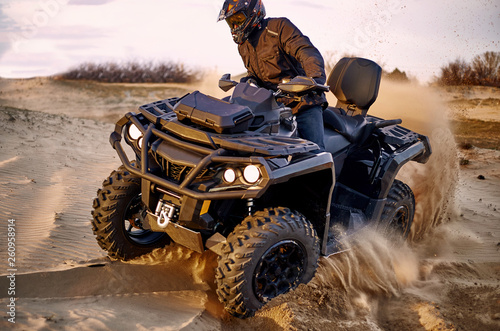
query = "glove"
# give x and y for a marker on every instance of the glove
(249, 80)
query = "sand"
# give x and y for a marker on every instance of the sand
(54, 154)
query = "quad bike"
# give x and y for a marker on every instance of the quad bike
(231, 176)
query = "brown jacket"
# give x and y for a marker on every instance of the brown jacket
(278, 51)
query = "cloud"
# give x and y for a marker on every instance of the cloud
(73, 33)
(4, 47)
(308, 4)
(89, 2)
(7, 26)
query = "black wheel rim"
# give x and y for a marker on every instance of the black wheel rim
(400, 220)
(132, 222)
(279, 269)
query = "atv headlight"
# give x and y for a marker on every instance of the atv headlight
(251, 174)
(133, 132)
(229, 176)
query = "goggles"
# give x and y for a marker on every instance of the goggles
(236, 20)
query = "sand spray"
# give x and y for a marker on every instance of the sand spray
(375, 267)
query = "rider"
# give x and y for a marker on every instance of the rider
(274, 50)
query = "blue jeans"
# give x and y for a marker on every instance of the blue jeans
(310, 125)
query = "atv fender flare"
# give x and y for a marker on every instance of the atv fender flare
(320, 162)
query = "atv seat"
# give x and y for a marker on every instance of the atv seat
(355, 83)
(350, 127)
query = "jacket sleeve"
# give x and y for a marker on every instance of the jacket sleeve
(298, 46)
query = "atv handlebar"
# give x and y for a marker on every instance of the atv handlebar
(383, 124)
(296, 86)
(302, 84)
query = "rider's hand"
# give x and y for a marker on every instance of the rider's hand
(249, 80)
(252, 82)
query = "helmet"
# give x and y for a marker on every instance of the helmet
(242, 16)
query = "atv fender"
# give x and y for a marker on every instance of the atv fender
(322, 162)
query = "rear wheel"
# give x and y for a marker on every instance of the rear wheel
(118, 215)
(268, 254)
(399, 210)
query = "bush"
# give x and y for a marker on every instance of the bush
(484, 70)
(397, 75)
(133, 72)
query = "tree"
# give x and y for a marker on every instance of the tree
(484, 70)
(487, 68)
(457, 72)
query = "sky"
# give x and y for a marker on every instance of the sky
(46, 37)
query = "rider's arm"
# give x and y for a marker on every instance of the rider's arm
(298, 46)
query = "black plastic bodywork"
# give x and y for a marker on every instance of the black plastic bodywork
(187, 143)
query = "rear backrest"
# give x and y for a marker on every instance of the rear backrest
(355, 82)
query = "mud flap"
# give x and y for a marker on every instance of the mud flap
(215, 243)
(185, 237)
(347, 221)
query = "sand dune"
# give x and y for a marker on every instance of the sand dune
(55, 164)
(54, 157)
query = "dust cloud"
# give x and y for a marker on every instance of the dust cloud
(210, 84)
(433, 183)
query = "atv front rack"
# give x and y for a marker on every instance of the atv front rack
(221, 147)
(211, 156)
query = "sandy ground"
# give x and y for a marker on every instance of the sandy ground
(54, 156)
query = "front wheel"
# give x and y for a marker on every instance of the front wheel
(399, 210)
(118, 215)
(268, 254)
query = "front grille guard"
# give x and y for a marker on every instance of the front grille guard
(178, 172)
(211, 156)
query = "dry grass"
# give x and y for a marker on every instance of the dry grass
(134, 72)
